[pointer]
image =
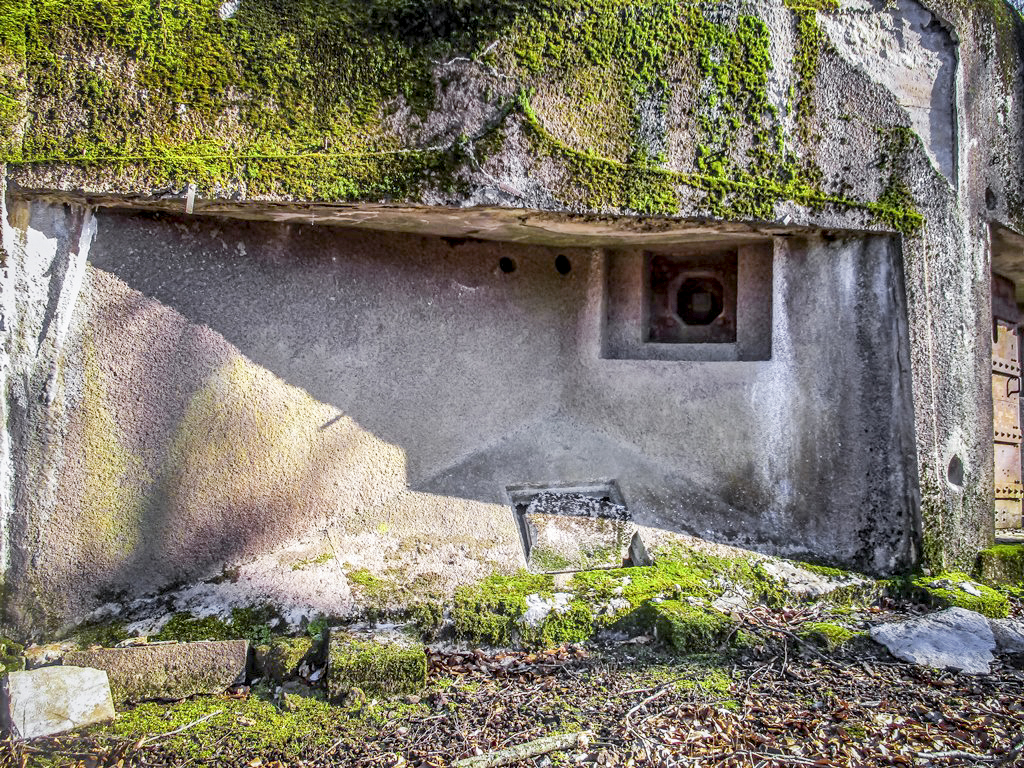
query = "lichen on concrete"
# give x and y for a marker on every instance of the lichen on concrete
(112, 503)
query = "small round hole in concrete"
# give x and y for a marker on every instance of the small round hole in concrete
(955, 472)
(506, 265)
(562, 264)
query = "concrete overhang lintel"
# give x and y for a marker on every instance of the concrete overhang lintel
(529, 226)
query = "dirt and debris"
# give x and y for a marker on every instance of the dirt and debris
(783, 700)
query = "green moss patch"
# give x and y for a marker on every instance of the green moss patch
(948, 593)
(678, 574)
(690, 628)
(623, 599)
(107, 634)
(281, 658)
(826, 634)
(376, 668)
(1002, 564)
(490, 611)
(11, 656)
(252, 624)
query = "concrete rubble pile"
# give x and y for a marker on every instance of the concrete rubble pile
(77, 688)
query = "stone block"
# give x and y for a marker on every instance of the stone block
(52, 700)
(1002, 564)
(377, 667)
(1009, 635)
(168, 670)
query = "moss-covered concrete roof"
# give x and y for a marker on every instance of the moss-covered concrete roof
(634, 106)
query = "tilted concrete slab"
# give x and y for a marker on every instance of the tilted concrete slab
(168, 671)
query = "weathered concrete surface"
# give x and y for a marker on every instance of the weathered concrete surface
(904, 47)
(953, 638)
(405, 382)
(167, 671)
(52, 700)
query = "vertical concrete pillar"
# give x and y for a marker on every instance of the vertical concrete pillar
(45, 248)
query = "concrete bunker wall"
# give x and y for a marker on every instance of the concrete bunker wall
(231, 386)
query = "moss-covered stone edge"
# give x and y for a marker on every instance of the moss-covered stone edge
(1002, 565)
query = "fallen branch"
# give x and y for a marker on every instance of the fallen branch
(955, 753)
(648, 700)
(541, 746)
(148, 740)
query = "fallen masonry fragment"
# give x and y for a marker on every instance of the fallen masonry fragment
(168, 670)
(955, 638)
(377, 667)
(283, 656)
(1009, 635)
(52, 700)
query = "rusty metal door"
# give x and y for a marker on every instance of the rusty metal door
(1006, 372)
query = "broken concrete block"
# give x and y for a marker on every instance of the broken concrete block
(377, 667)
(954, 638)
(573, 532)
(812, 585)
(52, 700)
(47, 655)
(168, 670)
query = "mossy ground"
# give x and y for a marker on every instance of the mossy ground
(636, 700)
(252, 725)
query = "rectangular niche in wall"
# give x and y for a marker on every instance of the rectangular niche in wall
(689, 303)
